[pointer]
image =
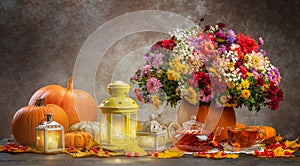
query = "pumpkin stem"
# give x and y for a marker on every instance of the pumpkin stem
(40, 102)
(70, 83)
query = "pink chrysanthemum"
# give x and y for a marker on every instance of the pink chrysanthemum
(153, 85)
(145, 70)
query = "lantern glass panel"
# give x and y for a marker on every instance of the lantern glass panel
(40, 139)
(54, 139)
(133, 125)
(104, 128)
(149, 141)
(118, 134)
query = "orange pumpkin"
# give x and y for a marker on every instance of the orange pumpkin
(79, 105)
(26, 120)
(78, 139)
(268, 130)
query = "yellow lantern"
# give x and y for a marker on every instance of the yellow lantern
(118, 117)
(152, 137)
(50, 136)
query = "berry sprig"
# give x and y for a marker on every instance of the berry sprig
(13, 147)
(284, 149)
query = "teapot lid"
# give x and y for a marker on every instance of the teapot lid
(193, 124)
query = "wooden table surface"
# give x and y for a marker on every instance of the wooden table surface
(7, 159)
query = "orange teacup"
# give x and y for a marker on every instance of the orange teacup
(245, 137)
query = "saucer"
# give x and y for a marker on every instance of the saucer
(227, 147)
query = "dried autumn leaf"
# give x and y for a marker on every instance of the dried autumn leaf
(292, 144)
(92, 143)
(2, 148)
(168, 154)
(279, 152)
(218, 155)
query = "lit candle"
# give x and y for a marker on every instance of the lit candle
(52, 144)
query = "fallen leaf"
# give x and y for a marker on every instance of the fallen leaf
(279, 152)
(168, 154)
(218, 155)
(292, 144)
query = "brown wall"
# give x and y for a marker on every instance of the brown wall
(41, 42)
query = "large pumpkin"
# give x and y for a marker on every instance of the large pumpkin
(92, 128)
(78, 139)
(79, 105)
(26, 120)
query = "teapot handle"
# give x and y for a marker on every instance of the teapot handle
(218, 133)
(172, 127)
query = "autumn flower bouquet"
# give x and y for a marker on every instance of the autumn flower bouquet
(206, 64)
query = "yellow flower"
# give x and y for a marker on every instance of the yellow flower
(178, 67)
(231, 65)
(156, 102)
(249, 74)
(173, 75)
(230, 85)
(245, 84)
(239, 87)
(183, 69)
(191, 96)
(267, 86)
(223, 99)
(234, 104)
(256, 60)
(245, 94)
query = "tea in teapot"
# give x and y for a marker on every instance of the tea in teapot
(193, 137)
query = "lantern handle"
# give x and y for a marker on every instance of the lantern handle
(49, 117)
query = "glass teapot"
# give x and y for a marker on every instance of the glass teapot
(192, 136)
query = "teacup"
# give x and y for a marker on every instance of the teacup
(245, 137)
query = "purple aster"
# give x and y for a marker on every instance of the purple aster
(222, 49)
(153, 85)
(254, 72)
(231, 33)
(261, 41)
(147, 57)
(157, 60)
(263, 52)
(274, 75)
(230, 40)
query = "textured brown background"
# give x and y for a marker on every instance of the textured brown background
(40, 42)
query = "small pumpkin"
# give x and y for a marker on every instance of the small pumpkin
(27, 118)
(268, 130)
(78, 139)
(79, 105)
(92, 128)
